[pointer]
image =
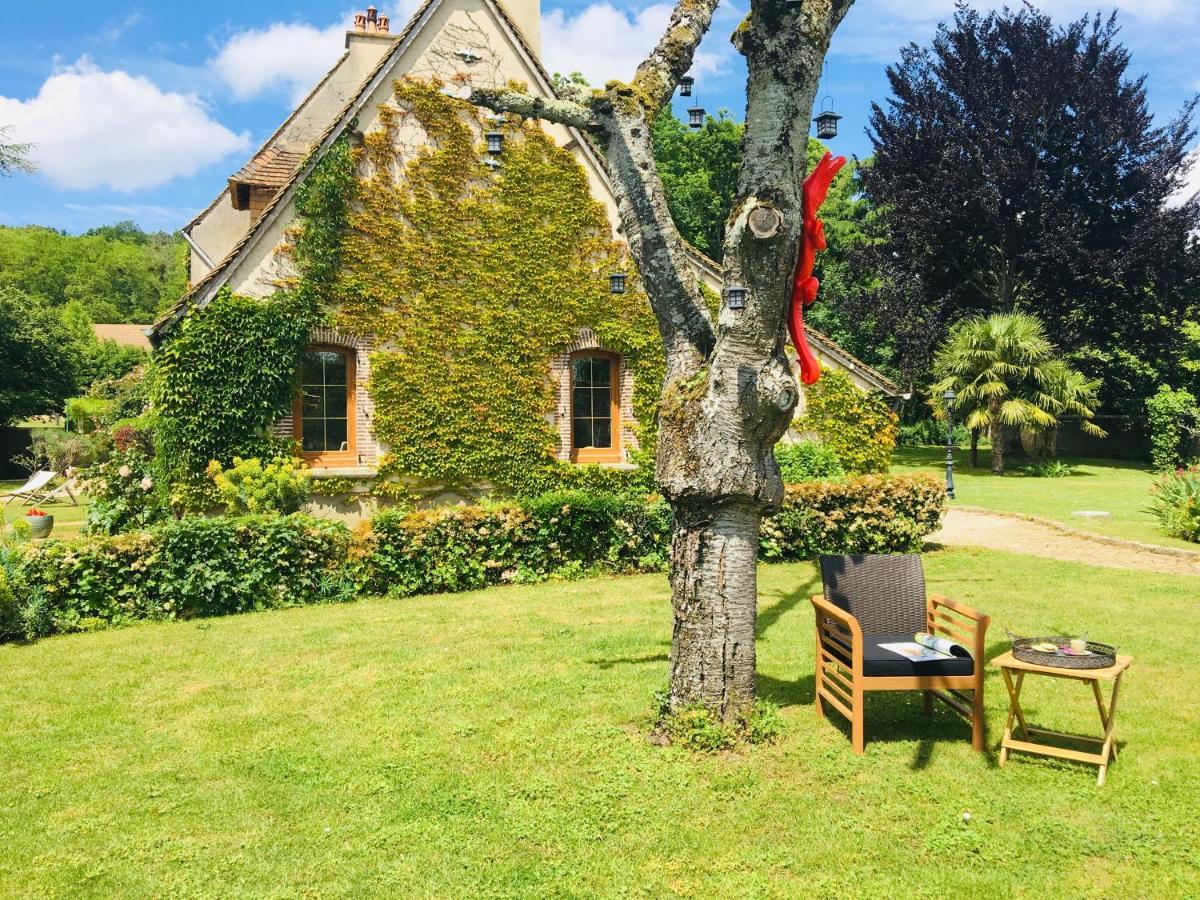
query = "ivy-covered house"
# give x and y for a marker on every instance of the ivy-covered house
(441, 280)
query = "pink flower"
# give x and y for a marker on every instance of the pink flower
(124, 471)
(147, 483)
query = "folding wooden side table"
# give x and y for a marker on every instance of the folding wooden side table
(1008, 664)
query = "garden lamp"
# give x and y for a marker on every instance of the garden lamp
(948, 398)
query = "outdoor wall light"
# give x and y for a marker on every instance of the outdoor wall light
(696, 116)
(685, 85)
(495, 142)
(616, 283)
(735, 296)
(827, 127)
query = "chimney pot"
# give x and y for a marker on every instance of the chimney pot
(371, 13)
(360, 22)
(384, 24)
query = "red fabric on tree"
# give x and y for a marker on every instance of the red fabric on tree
(812, 241)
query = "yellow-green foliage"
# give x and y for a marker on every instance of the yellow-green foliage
(859, 427)
(472, 280)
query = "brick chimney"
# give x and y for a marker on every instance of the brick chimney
(370, 22)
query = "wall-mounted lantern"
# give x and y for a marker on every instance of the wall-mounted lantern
(495, 142)
(696, 116)
(735, 296)
(685, 85)
(616, 283)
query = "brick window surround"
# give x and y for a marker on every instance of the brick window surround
(560, 375)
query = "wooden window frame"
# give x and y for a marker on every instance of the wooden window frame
(611, 454)
(330, 458)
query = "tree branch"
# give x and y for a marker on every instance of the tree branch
(658, 75)
(564, 112)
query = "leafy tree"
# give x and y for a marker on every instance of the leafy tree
(1016, 167)
(1006, 375)
(40, 358)
(14, 157)
(117, 273)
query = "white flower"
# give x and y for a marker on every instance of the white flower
(125, 471)
(147, 483)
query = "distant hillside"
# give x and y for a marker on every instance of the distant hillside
(118, 272)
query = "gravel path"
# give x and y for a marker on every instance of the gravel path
(980, 529)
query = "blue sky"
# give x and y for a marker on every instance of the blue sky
(142, 110)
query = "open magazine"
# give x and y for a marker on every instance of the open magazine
(927, 648)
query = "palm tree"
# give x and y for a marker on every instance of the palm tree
(1006, 376)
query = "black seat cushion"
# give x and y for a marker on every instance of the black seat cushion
(878, 661)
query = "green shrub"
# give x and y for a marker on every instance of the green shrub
(87, 414)
(1054, 468)
(249, 487)
(125, 492)
(1174, 422)
(1176, 503)
(807, 461)
(188, 568)
(859, 427)
(931, 432)
(867, 514)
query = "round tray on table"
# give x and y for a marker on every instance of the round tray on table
(1099, 656)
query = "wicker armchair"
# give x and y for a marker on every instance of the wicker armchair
(873, 600)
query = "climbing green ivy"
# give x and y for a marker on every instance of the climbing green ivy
(471, 279)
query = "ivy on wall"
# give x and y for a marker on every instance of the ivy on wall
(858, 427)
(472, 279)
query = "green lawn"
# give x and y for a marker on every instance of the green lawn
(1119, 487)
(494, 743)
(68, 519)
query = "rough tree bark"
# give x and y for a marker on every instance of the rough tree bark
(729, 390)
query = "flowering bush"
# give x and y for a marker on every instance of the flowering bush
(123, 492)
(1177, 503)
(868, 514)
(283, 485)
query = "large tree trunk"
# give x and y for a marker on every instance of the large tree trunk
(999, 438)
(974, 448)
(729, 390)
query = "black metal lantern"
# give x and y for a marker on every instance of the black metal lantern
(616, 283)
(495, 142)
(735, 296)
(827, 127)
(948, 398)
(685, 85)
(696, 116)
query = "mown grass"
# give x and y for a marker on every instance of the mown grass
(1118, 487)
(494, 743)
(68, 519)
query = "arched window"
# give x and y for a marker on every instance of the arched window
(323, 416)
(595, 407)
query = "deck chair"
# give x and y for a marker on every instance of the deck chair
(876, 599)
(32, 491)
(67, 488)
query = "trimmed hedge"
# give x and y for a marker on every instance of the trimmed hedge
(215, 566)
(867, 514)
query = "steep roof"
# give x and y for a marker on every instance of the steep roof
(125, 335)
(271, 167)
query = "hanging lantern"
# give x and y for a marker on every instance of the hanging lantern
(696, 116)
(826, 119)
(495, 142)
(616, 283)
(735, 296)
(685, 85)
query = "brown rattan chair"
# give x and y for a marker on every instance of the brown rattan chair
(872, 600)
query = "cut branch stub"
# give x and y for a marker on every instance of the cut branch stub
(765, 222)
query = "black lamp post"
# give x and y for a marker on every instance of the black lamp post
(949, 397)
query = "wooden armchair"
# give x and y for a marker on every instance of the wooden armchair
(873, 600)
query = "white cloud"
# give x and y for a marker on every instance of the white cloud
(288, 58)
(111, 129)
(604, 43)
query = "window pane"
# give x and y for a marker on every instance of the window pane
(601, 371)
(581, 371)
(335, 402)
(335, 368)
(581, 434)
(310, 368)
(335, 435)
(314, 435)
(601, 433)
(313, 407)
(581, 407)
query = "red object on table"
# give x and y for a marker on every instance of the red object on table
(812, 241)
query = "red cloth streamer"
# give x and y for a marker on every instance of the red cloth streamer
(812, 242)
